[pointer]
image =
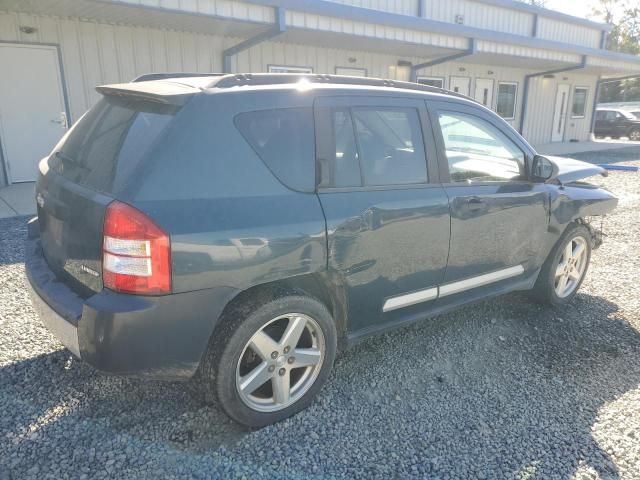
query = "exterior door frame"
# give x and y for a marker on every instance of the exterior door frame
(65, 97)
(562, 115)
(464, 77)
(493, 89)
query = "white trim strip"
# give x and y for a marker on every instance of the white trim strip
(480, 280)
(409, 299)
(402, 301)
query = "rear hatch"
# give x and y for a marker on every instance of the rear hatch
(95, 163)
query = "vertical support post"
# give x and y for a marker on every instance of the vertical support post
(422, 8)
(595, 105)
(276, 29)
(534, 27)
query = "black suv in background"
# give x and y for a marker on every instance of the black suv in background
(243, 228)
(616, 123)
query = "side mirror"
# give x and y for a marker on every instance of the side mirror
(543, 169)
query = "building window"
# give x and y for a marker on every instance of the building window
(579, 105)
(437, 82)
(507, 98)
(288, 69)
(351, 72)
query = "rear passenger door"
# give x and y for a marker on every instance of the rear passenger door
(499, 217)
(387, 214)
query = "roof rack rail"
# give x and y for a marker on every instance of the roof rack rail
(253, 79)
(161, 76)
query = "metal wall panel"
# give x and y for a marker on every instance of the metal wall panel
(481, 15)
(542, 97)
(404, 7)
(550, 29)
(96, 53)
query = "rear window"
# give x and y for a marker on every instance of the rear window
(284, 140)
(108, 145)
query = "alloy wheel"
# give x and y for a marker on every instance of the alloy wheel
(280, 362)
(571, 267)
(634, 135)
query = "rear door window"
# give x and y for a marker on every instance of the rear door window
(374, 146)
(284, 140)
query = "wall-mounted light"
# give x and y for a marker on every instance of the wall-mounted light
(565, 78)
(490, 72)
(405, 63)
(549, 75)
(28, 30)
(352, 60)
(462, 69)
(459, 19)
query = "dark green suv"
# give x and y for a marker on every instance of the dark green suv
(243, 228)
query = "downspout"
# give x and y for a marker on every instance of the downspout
(527, 81)
(595, 98)
(279, 27)
(470, 51)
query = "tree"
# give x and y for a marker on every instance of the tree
(624, 15)
(536, 3)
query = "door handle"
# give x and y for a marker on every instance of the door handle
(475, 204)
(61, 120)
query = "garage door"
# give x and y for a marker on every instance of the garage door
(32, 108)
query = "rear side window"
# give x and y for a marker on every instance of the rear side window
(105, 148)
(284, 140)
(374, 146)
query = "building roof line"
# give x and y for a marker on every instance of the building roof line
(545, 12)
(333, 9)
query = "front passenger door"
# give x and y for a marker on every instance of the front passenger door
(499, 217)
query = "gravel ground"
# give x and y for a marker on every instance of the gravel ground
(504, 389)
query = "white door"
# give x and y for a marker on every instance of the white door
(460, 85)
(32, 111)
(560, 113)
(484, 92)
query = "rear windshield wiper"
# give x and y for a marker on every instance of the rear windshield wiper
(68, 159)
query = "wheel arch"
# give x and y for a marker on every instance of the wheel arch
(322, 286)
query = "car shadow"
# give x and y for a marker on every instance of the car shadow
(511, 385)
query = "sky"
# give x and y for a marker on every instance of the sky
(578, 8)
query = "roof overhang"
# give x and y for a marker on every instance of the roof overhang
(495, 48)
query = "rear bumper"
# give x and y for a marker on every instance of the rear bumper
(160, 337)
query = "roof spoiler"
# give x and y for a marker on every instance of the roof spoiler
(167, 93)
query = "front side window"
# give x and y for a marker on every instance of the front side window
(579, 105)
(376, 146)
(284, 139)
(507, 96)
(477, 151)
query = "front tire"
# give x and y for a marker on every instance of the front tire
(634, 135)
(564, 270)
(269, 360)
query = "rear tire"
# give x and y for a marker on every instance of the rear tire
(564, 270)
(269, 359)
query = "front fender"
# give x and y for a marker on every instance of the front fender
(579, 200)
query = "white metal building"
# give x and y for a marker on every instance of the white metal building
(537, 68)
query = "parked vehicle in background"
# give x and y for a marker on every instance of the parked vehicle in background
(616, 123)
(243, 228)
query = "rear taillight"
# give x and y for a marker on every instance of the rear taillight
(136, 255)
